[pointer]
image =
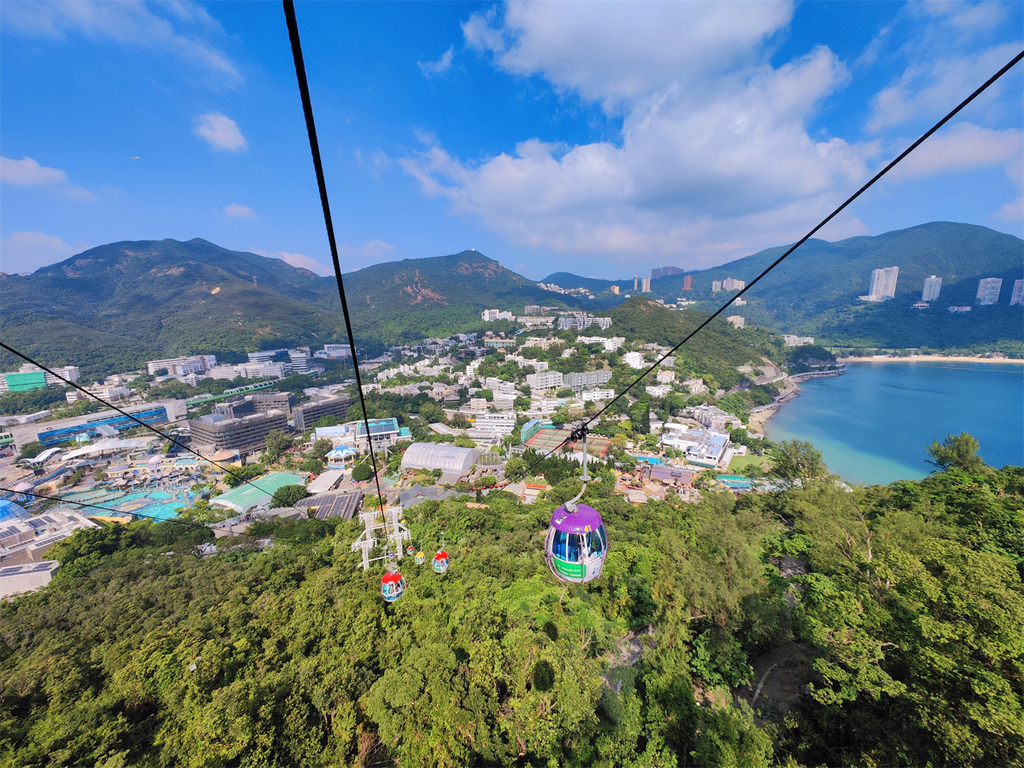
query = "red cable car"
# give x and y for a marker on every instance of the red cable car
(441, 562)
(392, 586)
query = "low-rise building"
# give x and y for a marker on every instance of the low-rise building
(93, 425)
(659, 390)
(597, 395)
(634, 360)
(27, 539)
(544, 380)
(583, 379)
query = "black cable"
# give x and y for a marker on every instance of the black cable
(141, 423)
(981, 89)
(314, 147)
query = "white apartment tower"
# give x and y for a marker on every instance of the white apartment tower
(932, 286)
(1017, 297)
(883, 283)
(645, 285)
(988, 290)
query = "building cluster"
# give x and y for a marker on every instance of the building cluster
(883, 288)
(728, 284)
(29, 377)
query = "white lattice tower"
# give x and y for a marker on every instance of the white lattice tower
(397, 532)
(367, 541)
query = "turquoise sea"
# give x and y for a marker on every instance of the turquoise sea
(873, 423)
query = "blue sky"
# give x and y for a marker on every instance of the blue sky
(597, 138)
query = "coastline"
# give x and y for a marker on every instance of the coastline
(931, 359)
(756, 422)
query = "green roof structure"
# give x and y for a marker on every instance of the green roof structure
(256, 493)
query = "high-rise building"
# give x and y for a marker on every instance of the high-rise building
(1017, 297)
(716, 286)
(988, 290)
(615, 290)
(645, 286)
(635, 284)
(308, 414)
(656, 273)
(932, 286)
(732, 284)
(688, 283)
(883, 283)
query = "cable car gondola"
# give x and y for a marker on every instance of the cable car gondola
(440, 564)
(576, 544)
(392, 586)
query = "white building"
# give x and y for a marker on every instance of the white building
(1017, 297)
(633, 359)
(659, 390)
(182, 366)
(597, 395)
(932, 286)
(883, 284)
(732, 284)
(695, 386)
(545, 380)
(487, 424)
(988, 290)
(736, 321)
(665, 377)
(797, 341)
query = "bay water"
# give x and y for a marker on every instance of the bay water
(873, 423)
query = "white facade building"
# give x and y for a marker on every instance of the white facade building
(545, 380)
(633, 360)
(932, 286)
(988, 290)
(1017, 297)
(883, 283)
(597, 395)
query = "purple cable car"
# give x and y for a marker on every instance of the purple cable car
(576, 544)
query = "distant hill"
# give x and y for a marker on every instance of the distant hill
(114, 306)
(815, 291)
(410, 299)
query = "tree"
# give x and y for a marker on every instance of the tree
(956, 451)
(362, 472)
(312, 466)
(796, 460)
(287, 495)
(320, 449)
(278, 441)
(30, 450)
(238, 475)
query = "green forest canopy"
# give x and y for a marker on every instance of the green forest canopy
(905, 631)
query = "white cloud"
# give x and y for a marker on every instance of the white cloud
(237, 211)
(439, 67)
(370, 252)
(689, 175)
(932, 87)
(29, 173)
(1012, 212)
(131, 23)
(220, 132)
(964, 147)
(618, 52)
(28, 251)
(377, 161)
(297, 260)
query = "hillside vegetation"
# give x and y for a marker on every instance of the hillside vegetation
(902, 643)
(815, 291)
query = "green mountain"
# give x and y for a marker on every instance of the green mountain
(114, 306)
(410, 299)
(815, 291)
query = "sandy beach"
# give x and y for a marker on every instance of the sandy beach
(930, 359)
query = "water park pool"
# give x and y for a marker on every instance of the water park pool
(648, 459)
(154, 504)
